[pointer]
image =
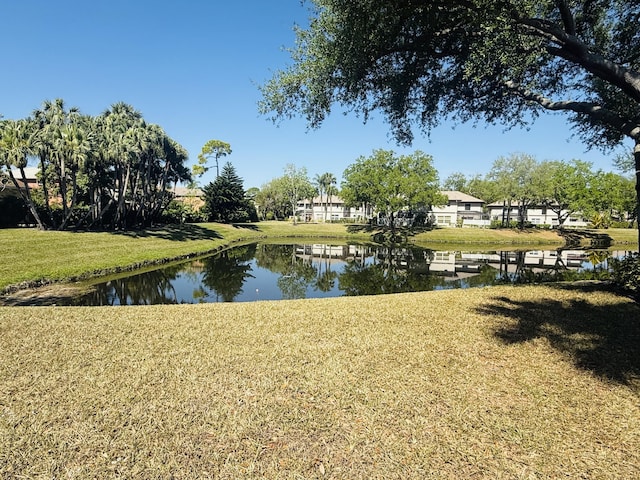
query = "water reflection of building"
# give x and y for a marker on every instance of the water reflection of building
(543, 259)
(319, 250)
(400, 256)
(453, 264)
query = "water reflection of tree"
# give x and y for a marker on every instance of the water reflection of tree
(521, 273)
(599, 259)
(296, 274)
(392, 271)
(326, 278)
(151, 288)
(226, 272)
(486, 275)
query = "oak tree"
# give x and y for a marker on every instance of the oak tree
(504, 61)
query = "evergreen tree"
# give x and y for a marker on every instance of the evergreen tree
(225, 200)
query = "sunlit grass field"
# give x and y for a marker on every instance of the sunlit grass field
(29, 255)
(500, 382)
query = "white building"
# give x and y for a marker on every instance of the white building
(536, 215)
(330, 209)
(462, 210)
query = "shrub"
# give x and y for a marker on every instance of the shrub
(179, 212)
(626, 274)
(621, 224)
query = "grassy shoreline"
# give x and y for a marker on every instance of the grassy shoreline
(30, 258)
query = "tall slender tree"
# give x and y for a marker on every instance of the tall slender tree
(16, 138)
(327, 181)
(296, 186)
(514, 176)
(215, 149)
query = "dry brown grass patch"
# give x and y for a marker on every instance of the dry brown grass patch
(418, 385)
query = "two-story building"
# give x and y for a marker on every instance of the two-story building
(330, 209)
(536, 215)
(461, 210)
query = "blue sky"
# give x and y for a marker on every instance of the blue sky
(193, 67)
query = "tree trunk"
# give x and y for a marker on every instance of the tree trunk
(63, 189)
(74, 197)
(636, 156)
(326, 204)
(121, 221)
(45, 189)
(392, 222)
(26, 196)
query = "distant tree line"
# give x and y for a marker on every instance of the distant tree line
(564, 187)
(111, 171)
(387, 183)
(384, 182)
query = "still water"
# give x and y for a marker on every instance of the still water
(275, 272)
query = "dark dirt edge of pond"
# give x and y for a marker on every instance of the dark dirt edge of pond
(47, 291)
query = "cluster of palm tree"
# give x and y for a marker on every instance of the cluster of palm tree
(325, 184)
(111, 171)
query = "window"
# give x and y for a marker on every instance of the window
(467, 206)
(441, 257)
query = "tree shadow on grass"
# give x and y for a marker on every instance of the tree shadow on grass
(363, 227)
(387, 235)
(603, 339)
(576, 237)
(178, 233)
(246, 226)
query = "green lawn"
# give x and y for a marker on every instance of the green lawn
(501, 382)
(29, 255)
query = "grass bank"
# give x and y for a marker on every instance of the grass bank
(31, 256)
(501, 382)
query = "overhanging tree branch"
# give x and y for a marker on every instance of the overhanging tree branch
(597, 112)
(569, 47)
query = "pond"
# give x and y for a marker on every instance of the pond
(293, 271)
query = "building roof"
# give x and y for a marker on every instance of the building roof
(333, 199)
(187, 192)
(29, 172)
(455, 195)
(514, 204)
(452, 195)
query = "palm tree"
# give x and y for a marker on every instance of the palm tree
(318, 182)
(16, 138)
(74, 146)
(119, 122)
(55, 140)
(326, 182)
